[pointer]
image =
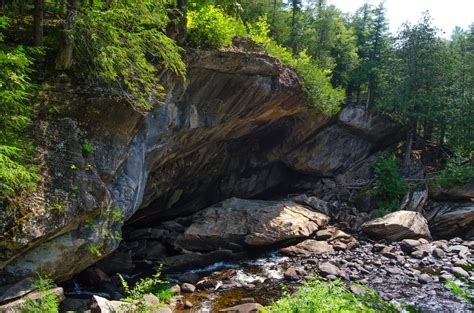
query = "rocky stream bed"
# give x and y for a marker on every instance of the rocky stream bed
(224, 274)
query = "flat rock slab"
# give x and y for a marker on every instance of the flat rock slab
(236, 222)
(398, 225)
(307, 248)
(20, 304)
(243, 308)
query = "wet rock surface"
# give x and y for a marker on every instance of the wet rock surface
(410, 272)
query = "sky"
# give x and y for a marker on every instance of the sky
(446, 14)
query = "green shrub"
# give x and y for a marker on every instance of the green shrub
(322, 95)
(211, 27)
(320, 296)
(48, 304)
(17, 171)
(150, 285)
(390, 187)
(455, 173)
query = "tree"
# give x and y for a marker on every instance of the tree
(65, 53)
(378, 44)
(371, 31)
(413, 79)
(295, 11)
(38, 18)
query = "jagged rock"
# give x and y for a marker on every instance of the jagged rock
(175, 289)
(188, 288)
(362, 121)
(18, 305)
(250, 223)
(327, 268)
(397, 226)
(460, 271)
(17, 290)
(291, 274)
(307, 248)
(448, 219)
(409, 245)
(415, 200)
(102, 305)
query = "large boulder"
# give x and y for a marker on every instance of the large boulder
(237, 223)
(398, 225)
(307, 248)
(450, 219)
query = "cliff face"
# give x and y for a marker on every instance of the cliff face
(238, 127)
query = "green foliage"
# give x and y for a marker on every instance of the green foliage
(150, 285)
(320, 296)
(390, 186)
(87, 148)
(95, 248)
(123, 44)
(56, 206)
(48, 304)
(323, 97)
(17, 171)
(457, 172)
(463, 293)
(210, 27)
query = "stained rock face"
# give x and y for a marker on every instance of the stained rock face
(398, 225)
(239, 127)
(449, 219)
(238, 222)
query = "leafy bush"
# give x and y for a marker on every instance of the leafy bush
(320, 296)
(455, 173)
(123, 44)
(150, 285)
(211, 27)
(16, 169)
(390, 187)
(48, 304)
(317, 82)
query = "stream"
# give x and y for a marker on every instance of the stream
(397, 277)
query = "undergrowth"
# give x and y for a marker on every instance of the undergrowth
(390, 186)
(321, 94)
(150, 285)
(17, 171)
(320, 296)
(457, 172)
(47, 304)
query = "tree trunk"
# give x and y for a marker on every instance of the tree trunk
(182, 6)
(409, 143)
(66, 47)
(369, 96)
(38, 17)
